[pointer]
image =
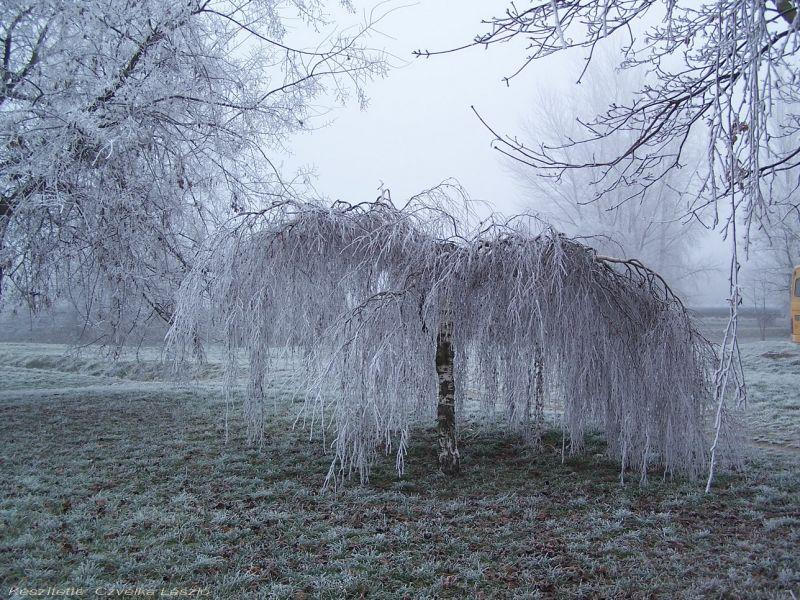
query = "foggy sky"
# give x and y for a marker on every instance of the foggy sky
(419, 129)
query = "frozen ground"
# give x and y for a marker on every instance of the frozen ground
(111, 474)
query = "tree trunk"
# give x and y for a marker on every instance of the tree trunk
(5, 217)
(538, 395)
(449, 458)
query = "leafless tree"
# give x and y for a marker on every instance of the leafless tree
(384, 305)
(654, 228)
(773, 256)
(776, 255)
(775, 249)
(130, 130)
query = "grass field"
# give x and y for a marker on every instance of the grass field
(113, 477)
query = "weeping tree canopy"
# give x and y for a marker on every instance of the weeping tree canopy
(364, 293)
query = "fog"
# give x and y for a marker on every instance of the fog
(419, 128)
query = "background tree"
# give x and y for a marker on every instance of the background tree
(776, 245)
(774, 254)
(385, 304)
(130, 130)
(653, 228)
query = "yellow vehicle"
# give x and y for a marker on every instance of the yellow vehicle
(796, 305)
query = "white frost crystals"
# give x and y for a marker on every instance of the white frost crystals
(358, 290)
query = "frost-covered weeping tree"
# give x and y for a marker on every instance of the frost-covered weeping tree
(398, 311)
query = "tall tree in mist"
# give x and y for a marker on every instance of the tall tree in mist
(397, 311)
(718, 69)
(774, 254)
(653, 228)
(129, 130)
(776, 246)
